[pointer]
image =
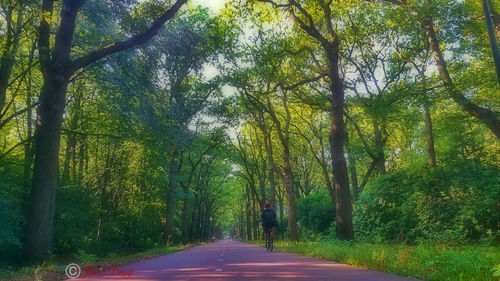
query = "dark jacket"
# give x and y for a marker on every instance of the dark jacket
(268, 218)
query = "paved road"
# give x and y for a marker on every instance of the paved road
(231, 260)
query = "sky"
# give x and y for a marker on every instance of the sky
(214, 5)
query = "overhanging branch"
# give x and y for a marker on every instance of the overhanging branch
(132, 42)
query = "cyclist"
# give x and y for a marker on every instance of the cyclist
(268, 219)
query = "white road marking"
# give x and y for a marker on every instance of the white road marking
(220, 259)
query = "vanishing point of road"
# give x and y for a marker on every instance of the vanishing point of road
(232, 260)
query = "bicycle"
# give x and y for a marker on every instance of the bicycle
(269, 240)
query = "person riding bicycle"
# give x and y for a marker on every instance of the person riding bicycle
(268, 218)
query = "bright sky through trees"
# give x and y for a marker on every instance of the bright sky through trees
(214, 5)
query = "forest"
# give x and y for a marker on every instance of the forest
(129, 125)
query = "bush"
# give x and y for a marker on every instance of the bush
(456, 203)
(11, 222)
(135, 226)
(315, 215)
(75, 220)
(12, 194)
(84, 257)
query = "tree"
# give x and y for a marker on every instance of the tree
(377, 73)
(57, 68)
(322, 31)
(426, 21)
(491, 34)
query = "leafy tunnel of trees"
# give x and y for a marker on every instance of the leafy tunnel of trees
(135, 124)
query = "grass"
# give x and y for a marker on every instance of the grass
(54, 269)
(427, 261)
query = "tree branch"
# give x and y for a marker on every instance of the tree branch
(15, 114)
(132, 42)
(14, 147)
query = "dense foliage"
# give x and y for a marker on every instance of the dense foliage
(124, 117)
(455, 203)
(315, 215)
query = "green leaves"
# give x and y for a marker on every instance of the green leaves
(496, 270)
(448, 204)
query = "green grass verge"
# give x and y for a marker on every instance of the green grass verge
(54, 269)
(427, 261)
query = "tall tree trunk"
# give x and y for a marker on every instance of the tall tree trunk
(206, 221)
(28, 147)
(330, 46)
(328, 183)
(262, 184)
(484, 114)
(352, 169)
(248, 214)
(268, 146)
(354, 178)
(184, 217)
(380, 148)
(171, 196)
(282, 209)
(337, 133)
(45, 172)
(70, 146)
(199, 218)
(286, 175)
(322, 162)
(6, 65)
(74, 158)
(495, 18)
(87, 158)
(81, 158)
(39, 225)
(199, 223)
(261, 173)
(288, 182)
(491, 34)
(242, 227)
(28, 161)
(254, 218)
(104, 182)
(194, 219)
(431, 153)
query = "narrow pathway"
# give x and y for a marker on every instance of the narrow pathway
(231, 260)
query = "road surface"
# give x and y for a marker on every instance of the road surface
(231, 260)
